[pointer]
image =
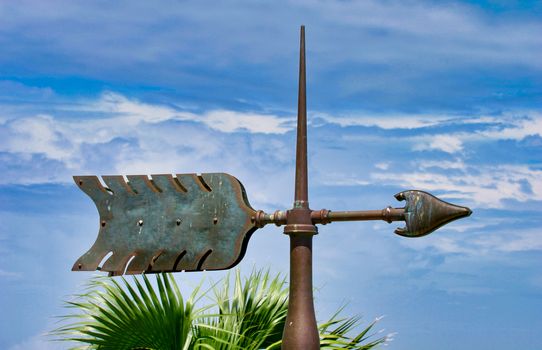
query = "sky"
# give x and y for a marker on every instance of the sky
(441, 96)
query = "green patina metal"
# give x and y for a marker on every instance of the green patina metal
(424, 213)
(167, 223)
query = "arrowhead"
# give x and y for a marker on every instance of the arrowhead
(424, 213)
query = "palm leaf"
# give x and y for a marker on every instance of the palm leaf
(117, 316)
(243, 313)
(252, 312)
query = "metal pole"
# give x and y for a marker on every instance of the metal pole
(300, 329)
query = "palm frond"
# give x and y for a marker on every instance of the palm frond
(336, 333)
(118, 316)
(251, 312)
(243, 313)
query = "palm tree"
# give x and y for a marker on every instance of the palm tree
(247, 314)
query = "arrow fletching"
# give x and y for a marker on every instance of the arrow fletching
(164, 223)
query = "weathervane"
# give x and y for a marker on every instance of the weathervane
(197, 222)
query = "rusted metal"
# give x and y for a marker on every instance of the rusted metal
(167, 223)
(301, 174)
(300, 329)
(388, 214)
(324, 216)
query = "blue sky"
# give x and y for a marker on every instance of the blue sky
(442, 96)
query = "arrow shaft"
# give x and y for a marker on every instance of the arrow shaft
(325, 216)
(387, 214)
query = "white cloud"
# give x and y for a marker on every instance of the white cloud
(487, 243)
(117, 135)
(509, 126)
(442, 142)
(230, 121)
(442, 164)
(132, 112)
(486, 186)
(382, 165)
(512, 241)
(344, 182)
(128, 136)
(524, 124)
(387, 122)
(131, 135)
(38, 134)
(457, 178)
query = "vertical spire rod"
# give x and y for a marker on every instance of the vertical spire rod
(300, 328)
(301, 182)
